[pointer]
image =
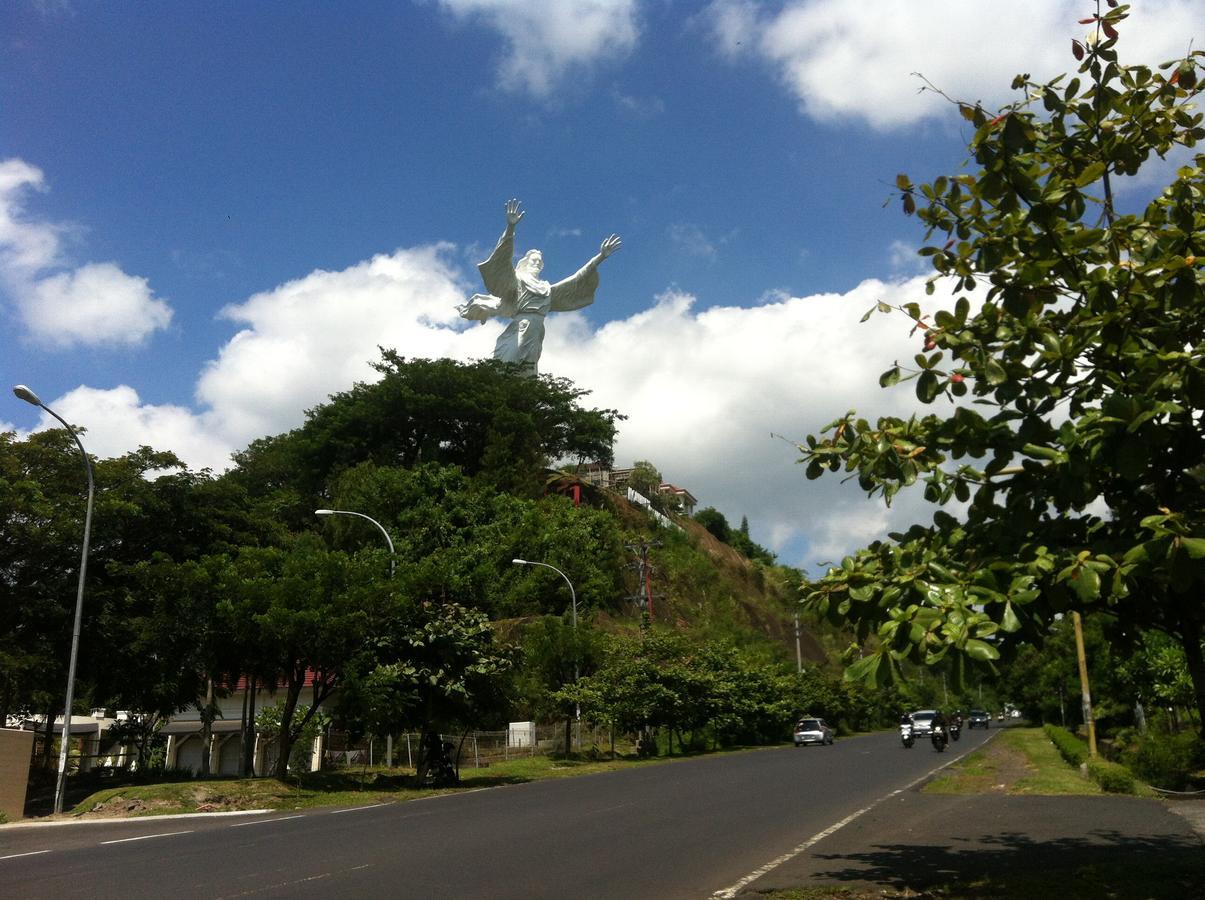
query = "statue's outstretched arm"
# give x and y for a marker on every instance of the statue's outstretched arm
(609, 246)
(578, 289)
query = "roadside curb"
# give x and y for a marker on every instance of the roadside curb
(109, 820)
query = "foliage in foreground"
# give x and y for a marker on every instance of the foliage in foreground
(1078, 333)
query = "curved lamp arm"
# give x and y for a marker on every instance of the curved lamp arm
(348, 512)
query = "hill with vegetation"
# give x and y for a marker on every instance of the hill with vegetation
(197, 580)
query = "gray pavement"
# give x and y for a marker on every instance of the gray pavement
(915, 841)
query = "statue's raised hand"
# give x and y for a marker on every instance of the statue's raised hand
(609, 246)
(513, 213)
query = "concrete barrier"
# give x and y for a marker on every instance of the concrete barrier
(15, 750)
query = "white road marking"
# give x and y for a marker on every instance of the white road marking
(356, 808)
(30, 853)
(729, 892)
(147, 837)
(266, 821)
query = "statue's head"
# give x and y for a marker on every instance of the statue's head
(531, 263)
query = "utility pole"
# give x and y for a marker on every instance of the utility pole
(798, 652)
(1083, 681)
(644, 593)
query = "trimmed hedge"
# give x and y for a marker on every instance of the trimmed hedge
(1072, 748)
(1112, 778)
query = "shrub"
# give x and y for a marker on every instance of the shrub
(1072, 748)
(1166, 761)
(1112, 777)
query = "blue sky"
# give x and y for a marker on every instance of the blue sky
(212, 213)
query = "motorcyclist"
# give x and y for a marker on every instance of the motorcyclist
(906, 729)
(940, 721)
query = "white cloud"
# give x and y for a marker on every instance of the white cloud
(116, 422)
(25, 247)
(311, 337)
(94, 304)
(855, 61)
(646, 107)
(704, 389)
(692, 240)
(546, 40)
(904, 259)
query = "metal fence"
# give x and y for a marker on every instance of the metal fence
(477, 749)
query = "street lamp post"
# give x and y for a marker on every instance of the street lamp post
(577, 711)
(388, 539)
(29, 396)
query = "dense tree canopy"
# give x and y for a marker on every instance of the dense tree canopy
(482, 418)
(1077, 331)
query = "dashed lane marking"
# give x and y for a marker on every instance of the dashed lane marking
(266, 821)
(147, 837)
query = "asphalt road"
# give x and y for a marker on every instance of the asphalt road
(698, 828)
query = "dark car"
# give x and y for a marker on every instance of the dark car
(979, 719)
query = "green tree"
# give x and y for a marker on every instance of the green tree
(645, 479)
(302, 614)
(481, 417)
(555, 654)
(1083, 356)
(715, 522)
(435, 665)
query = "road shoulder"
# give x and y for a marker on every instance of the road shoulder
(916, 842)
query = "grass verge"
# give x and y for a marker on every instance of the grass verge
(1018, 761)
(337, 788)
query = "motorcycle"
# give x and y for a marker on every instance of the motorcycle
(955, 730)
(906, 735)
(939, 738)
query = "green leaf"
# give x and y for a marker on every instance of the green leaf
(1009, 621)
(866, 670)
(890, 377)
(1194, 547)
(1091, 173)
(981, 650)
(927, 387)
(1086, 584)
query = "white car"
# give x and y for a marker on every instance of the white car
(922, 722)
(812, 731)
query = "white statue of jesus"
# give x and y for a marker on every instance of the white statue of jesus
(515, 290)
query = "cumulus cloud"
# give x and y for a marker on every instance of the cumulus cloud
(311, 337)
(855, 61)
(546, 40)
(93, 304)
(116, 422)
(705, 389)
